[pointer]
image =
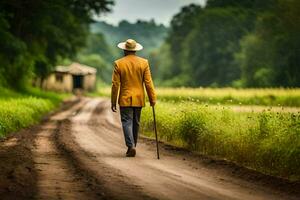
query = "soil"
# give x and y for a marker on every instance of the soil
(79, 153)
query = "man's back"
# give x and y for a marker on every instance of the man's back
(130, 73)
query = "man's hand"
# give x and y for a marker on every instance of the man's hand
(114, 108)
(152, 104)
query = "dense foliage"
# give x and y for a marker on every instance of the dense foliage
(148, 33)
(97, 53)
(247, 43)
(101, 47)
(265, 141)
(34, 34)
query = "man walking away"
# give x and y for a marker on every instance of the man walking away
(130, 75)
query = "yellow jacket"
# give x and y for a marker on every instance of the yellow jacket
(130, 75)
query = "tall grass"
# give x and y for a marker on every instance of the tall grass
(198, 119)
(21, 109)
(265, 141)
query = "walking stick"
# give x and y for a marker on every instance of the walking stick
(155, 130)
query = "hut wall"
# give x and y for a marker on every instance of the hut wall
(89, 82)
(68, 83)
(59, 82)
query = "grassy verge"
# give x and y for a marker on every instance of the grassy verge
(228, 96)
(265, 141)
(21, 109)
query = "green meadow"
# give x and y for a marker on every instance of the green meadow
(227, 96)
(22, 109)
(267, 141)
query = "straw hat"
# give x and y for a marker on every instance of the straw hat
(130, 45)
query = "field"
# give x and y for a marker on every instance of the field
(255, 128)
(265, 141)
(228, 96)
(21, 109)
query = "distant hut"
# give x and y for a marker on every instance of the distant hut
(71, 78)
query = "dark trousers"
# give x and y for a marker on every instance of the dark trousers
(130, 117)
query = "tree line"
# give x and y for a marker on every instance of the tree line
(246, 43)
(36, 34)
(101, 50)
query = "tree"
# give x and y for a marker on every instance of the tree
(256, 63)
(272, 52)
(42, 31)
(148, 33)
(99, 54)
(212, 45)
(250, 43)
(104, 39)
(181, 26)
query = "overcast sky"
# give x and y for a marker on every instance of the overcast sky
(160, 10)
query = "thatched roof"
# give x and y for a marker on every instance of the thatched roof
(76, 69)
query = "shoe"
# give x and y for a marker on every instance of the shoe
(131, 152)
(128, 149)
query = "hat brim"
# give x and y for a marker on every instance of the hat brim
(138, 47)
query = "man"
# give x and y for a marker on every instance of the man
(130, 75)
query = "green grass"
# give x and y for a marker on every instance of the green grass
(228, 96)
(19, 109)
(266, 141)
(267, 97)
(200, 119)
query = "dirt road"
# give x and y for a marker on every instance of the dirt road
(78, 153)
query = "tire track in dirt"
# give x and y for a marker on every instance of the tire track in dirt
(111, 183)
(18, 176)
(56, 178)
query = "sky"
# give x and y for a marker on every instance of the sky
(161, 11)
